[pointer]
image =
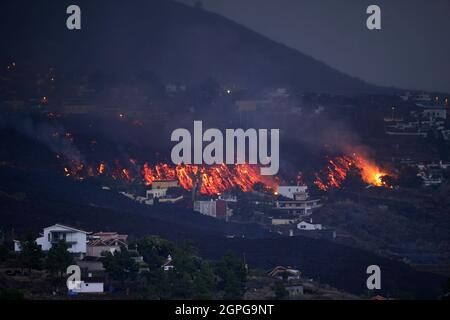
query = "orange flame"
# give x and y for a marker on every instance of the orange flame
(101, 168)
(214, 179)
(338, 168)
(370, 172)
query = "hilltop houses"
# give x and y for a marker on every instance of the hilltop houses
(87, 249)
(291, 213)
(168, 264)
(426, 116)
(80, 243)
(76, 239)
(284, 273)
(213, 208)
(161, 191)
(290, 191)
(434, 112)
(433, 173)
(101, 242)
(295, 200)
(308, 226)
(291, 279)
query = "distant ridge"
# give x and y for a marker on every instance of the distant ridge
(177, 42)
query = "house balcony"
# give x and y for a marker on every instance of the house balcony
(68, 241)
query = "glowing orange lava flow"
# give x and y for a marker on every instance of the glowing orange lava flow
(214, 179)
(338, 168)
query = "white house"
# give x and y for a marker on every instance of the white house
(213, 208)
(168, 264)
(76, 239)
(298, 202)
(435, 112)
(308, 226)
(282, 221)
(17, 246)
(228, 198)
(156, 193)
(289, 191)
(406, 96)
(89, 287)
(101, 242)
(287, 273)
(159, 191)
(294, 290)
(424, 97)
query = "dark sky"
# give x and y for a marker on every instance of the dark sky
(411, 51)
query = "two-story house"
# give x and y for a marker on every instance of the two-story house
(76, 239)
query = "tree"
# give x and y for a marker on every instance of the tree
(243, 208)
(31, 255)
(58, 258)
(233, 276)
(280, 290)
(191, 278)
(153, 284)
(203, 282)
(155, 250)
(120, 265)
(4, 252)
(11, 294)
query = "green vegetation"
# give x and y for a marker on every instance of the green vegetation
(31, 256)
(120, 265)
(58, 259)
(189, 276)
(280, 290)
(10, 294)
(3, 253)
(232, 274)
(150, 268)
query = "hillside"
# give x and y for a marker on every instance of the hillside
(179, 43)
(32, 199)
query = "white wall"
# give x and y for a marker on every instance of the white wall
(206, 207)
(93, 287)
(157, 193)
(308, 226)
(435, 113)
(288, 191)
(17, 246)
(77, 240)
